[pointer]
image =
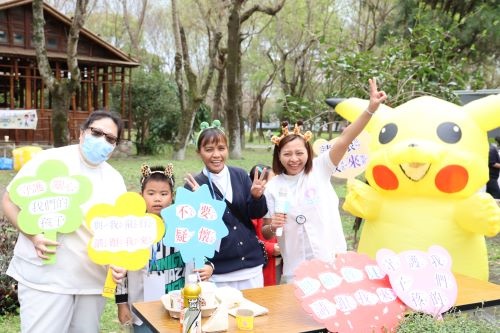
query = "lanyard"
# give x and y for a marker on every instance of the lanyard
(212, 186)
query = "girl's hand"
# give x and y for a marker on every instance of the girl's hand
(277, 251)
(278, 221)
(124, 314)
(376, 97)
(118, 273)
(205, 272)
(258, 184)
(191, 182)
(42, 244)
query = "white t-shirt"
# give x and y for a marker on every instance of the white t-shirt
(73, 272)
(313, 228)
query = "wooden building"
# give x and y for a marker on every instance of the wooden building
(103, 68)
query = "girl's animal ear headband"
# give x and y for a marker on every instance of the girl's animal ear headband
(296, 131)
(146, 172)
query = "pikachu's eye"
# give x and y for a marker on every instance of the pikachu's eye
(449, 132)
(387, 133)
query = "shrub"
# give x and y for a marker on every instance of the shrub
(8, 286)
(453, 322)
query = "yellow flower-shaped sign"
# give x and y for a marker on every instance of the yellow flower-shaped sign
(122, 234)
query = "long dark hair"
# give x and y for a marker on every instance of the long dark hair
(278, 167)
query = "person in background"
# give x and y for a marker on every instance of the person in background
(239, 260)
(497, 139)
(272, 270)
(492, 186)
(311, 228)
(166, 270)
(66, 296)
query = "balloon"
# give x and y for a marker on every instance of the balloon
(428, 160)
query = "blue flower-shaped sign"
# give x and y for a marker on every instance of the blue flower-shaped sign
(194, 224)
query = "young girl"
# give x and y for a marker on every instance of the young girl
(166, 270)
(239, 260)
(311, 228)
(272, 271)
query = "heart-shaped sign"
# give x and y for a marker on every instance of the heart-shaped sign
(351, 294)
(422, 280)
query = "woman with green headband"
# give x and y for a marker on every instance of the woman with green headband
(240, 258)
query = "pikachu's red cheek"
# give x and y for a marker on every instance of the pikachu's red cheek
(452, 178)
(385, 178)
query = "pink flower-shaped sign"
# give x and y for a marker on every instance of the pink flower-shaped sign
(422, 280)
(351, 294)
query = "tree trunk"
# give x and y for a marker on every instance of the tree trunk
(233, 70)
(61, 98)
(190, 102)
(217, 105)
(62, 88)
(233, 88)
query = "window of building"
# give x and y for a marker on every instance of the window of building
(3, 37)
(18, 38)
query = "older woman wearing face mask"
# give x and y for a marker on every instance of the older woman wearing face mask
(66, 296)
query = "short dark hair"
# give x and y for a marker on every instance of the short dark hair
(100, 114)
(259, 168)
(278, 168)
(158, 174)
(210, 135)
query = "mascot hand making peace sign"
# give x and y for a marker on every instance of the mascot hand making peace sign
(428, 161)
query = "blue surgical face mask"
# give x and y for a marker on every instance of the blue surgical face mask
(96, 150)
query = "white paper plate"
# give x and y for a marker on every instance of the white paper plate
(165, 300)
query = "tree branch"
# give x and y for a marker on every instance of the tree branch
(263, 9)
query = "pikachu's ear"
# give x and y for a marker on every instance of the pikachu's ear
(485, 111)
(352, 108)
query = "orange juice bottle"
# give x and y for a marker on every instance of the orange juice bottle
(191, 321)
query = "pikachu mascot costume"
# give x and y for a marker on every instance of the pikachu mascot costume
(428, 161)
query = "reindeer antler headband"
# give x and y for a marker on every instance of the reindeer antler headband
(168, 172)
(297, 130)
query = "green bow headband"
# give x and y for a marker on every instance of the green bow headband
(215, 124)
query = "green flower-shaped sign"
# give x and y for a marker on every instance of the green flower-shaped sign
(50, 201)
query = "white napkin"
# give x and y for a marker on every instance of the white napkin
(258, 310)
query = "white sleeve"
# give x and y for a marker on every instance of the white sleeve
(323, 166)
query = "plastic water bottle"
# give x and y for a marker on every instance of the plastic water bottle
(281, 206)
(191, 321)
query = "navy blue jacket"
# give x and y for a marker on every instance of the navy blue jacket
(240, 248)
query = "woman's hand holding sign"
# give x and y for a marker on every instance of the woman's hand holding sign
(43, 246)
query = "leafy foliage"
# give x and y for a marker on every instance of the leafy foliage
(155, 110)
(455, 322)
(8, 286)
(425, 62)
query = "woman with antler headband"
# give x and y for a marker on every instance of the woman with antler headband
(302, 205)
(166, 270)
(240, 258)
